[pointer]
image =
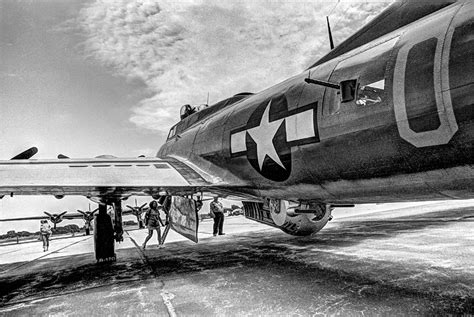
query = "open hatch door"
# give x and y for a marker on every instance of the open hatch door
(184, 217)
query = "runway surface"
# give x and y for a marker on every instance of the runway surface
(392, 260)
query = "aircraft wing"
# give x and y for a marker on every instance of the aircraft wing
(25, 218)
(130, 212)
(73, 216)
(98, 177)
(112, 178)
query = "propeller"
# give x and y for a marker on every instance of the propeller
(55, 218)
(88, 212)
(137, 211)
(88, 216)
(137, 208)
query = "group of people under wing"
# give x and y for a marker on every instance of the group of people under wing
(154, 221)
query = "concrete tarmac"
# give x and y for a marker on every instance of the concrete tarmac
(391, 260)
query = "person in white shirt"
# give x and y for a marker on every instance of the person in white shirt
(45, 232)
(217, 212)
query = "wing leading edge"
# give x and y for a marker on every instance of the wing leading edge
(97, 177)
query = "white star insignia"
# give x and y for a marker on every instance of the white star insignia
(262, 134)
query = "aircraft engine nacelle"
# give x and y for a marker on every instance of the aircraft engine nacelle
(297, 220)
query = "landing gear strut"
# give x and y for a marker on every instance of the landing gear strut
(104, 236)
(118, 221)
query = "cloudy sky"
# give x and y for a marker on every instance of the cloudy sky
(108, 77)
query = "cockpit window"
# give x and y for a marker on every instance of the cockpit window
(189, 115)
(186, 111)
(205, 110)
(172, 132)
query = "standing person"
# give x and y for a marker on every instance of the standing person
(152, 221)
(87, 226)
(45, 232)
(217, 210)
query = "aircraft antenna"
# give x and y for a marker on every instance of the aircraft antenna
(331, 42)
(207, 102)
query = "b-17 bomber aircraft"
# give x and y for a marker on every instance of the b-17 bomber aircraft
(87, 216)
(54, 218)
(137, 211)
(386, 116)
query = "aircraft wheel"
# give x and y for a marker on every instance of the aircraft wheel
(278, 211)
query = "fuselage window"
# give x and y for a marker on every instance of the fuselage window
(370, 94)
(368, 67)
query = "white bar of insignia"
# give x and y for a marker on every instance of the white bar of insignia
(237, 142)
(299, 126)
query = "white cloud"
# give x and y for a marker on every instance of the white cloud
(183, 49)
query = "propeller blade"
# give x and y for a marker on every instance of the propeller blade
(133, 208)
(25, 155)
(62, 214)
(142, 206)
(82, 212)
(48, 214)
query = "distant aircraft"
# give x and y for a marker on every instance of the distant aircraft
(137, 211)
(88, 216)
(54, 218)
(385, 116)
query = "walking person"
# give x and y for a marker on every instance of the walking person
(152, 221)
(45, 232)
(217, 212)
(166, 209)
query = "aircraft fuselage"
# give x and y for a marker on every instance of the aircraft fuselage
(405, 133)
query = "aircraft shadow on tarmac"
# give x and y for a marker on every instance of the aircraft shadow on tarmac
(261, 250)
(354, 231)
